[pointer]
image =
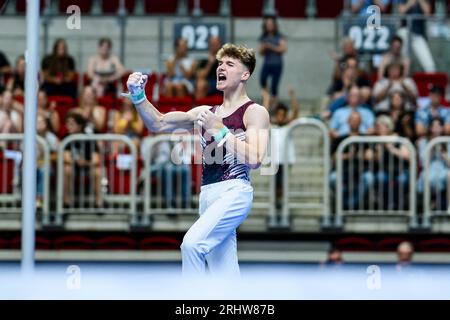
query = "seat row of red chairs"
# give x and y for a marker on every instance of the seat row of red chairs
(238, 8)
(390, 244)
(83, 242)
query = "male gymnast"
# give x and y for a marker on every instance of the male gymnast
(234, 138)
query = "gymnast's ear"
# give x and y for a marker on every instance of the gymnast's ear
(245, 75)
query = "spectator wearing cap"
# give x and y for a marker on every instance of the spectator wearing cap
(395, 81)
(424, 115)
(339, 121)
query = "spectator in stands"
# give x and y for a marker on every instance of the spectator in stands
(334, 257)
(17, 82)
(280, 119)
(180, 71)
(439, 167)
(171, 167)
(394, 55)
(11, 114)
(104, 69)
(58, 71)
(5, 68)
(417, 28)
(52, 142)
(348, 50)
(403, 120)
(339, 121)
(395, 81)
(206, 72)
(272, 46)
(405, 252)
(94, 114)
(360, 6)
(355, 178)
(80, 160)
(47, 110)
(351, 75)
(127, 122)
(424, 115)
(392, 166)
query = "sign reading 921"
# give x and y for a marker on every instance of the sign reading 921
(198, 34)
(368, 39)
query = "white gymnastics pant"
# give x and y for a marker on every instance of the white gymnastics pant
(212, 238)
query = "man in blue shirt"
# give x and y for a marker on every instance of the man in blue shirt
(339, 121)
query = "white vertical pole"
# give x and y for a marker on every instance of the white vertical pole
(29, 167)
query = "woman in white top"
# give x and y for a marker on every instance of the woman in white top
(180, 69)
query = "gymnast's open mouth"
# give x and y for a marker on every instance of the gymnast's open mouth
(221, 77)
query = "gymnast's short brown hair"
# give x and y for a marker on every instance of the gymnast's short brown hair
(242, 53)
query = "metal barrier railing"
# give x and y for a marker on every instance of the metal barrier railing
(10, 173)
(435, 178)
(311, 159)
(172, 173)
(100, 171)
(375, 181)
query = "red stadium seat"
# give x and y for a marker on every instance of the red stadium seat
(21, 6)
(434, 245)
(328, 9)
(161, 7)
(291, 9)
(3, 244)
(20, 99)
(6, 174)
(209, 7)
(213, 100)
(389, 244)
(119, 180)
(109, 102)
(112, 6)
(86, 80)
(41, 243)
(159, 243)
(241, 8)
(84, 5)
(74, 242)
(116, 243)
(166, 104)
(424, 81)
(62, 101)
(354, 244)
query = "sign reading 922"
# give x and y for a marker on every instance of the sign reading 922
(369, 40)
(198, 34)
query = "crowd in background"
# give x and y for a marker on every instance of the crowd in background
(382, 101)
